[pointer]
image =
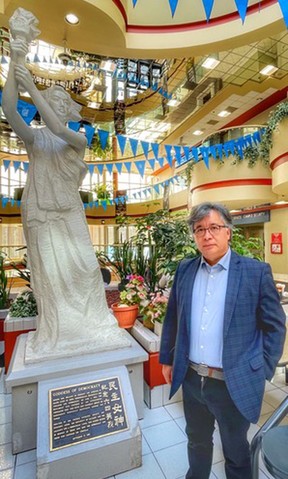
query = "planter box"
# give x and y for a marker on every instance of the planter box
(149, 340)
(13, 327)
(153, 371)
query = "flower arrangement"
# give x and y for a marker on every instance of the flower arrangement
(156, 309)
(134, 292)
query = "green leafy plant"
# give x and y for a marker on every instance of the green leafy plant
(24, 306)
(252, 155)
(103, 191)
(120, 261)
(97, 149)
(4, 288)
(251, 247)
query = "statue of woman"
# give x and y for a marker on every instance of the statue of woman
(73, 316)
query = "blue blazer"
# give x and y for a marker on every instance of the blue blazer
(253, 333)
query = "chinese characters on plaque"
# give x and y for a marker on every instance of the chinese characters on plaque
(86, 411)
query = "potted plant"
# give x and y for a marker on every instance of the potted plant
(132, 298)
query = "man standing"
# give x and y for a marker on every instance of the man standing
(222, 337)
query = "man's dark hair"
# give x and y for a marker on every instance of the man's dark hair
(200, 211)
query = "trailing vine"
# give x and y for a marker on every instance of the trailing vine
(275, 117)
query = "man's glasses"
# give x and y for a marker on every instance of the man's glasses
(214, 230)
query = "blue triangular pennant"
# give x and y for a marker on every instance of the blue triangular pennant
(248, 140)
(178, 157)
(170, 160)
(5, 202)
(128, 166)
(205, 155)
(100, 168)
(186, 150)
(256, 137)
(26, 111)
(145, 147)
(91, 168)
(134, 145)
(155, 149)
(74, 125)
(109, 167)
(140, 165)
(219, 150)
(208, 5)
(152, 163)
(119, 167)
(284, 7)
(157, 189)
(25, 166)
(89, 131)
(104, 204)
(241, 6)
(195, 153)
(168, 149)
(103, 138)
(122, 142)
(161, 162)
(17, 165)
(6, 164)
(134, 2)
(213, 152)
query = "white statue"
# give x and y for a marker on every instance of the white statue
(65, 276)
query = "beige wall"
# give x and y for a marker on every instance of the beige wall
(277, 224)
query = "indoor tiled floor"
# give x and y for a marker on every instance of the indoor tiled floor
(164, 441)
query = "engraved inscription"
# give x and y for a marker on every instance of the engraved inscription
(82, 412)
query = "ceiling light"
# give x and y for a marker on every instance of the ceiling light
(224, 113)
(197, 132)
(281, 202)
(173, 102)
(268, 70)
(210, 63)
(72, 19)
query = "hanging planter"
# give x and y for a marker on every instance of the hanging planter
(125, 315)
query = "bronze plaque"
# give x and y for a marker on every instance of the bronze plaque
(82, 412)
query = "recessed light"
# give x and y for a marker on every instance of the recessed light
(72, 19)
(224, 113)
(197, 132)
(210, 63)
(268, 70)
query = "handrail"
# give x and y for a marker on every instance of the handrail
(256, 442)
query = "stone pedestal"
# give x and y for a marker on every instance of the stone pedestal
(22, 380)
(90, 448)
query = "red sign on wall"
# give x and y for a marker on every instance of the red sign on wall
(276, 238)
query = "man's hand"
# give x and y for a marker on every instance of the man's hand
(167, 373)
